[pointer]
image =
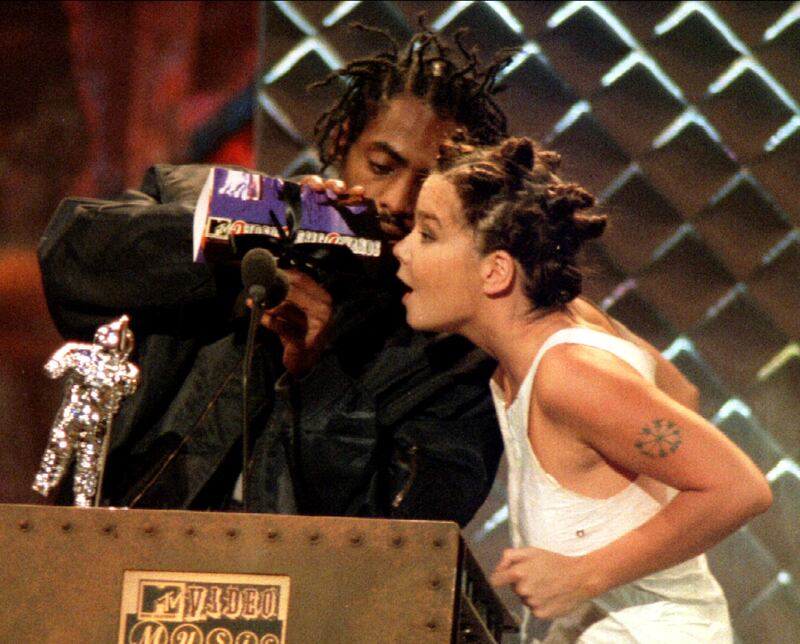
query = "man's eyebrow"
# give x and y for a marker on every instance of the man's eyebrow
(386, 148)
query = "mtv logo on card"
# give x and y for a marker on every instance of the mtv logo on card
(238, 210)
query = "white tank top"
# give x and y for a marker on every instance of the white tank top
(544, 514)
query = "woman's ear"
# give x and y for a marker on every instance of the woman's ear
(498, 271)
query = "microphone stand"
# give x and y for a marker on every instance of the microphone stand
(258, 294)
(266, 286)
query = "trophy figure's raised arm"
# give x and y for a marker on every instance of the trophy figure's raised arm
(98, 377)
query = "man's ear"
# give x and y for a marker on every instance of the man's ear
(498, 272)
(339, 139)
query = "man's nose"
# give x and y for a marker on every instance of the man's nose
(396, 198)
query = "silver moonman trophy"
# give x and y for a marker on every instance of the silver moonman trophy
(98, 377)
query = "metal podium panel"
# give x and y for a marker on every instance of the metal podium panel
(64, 572)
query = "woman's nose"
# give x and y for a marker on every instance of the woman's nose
(399, 250)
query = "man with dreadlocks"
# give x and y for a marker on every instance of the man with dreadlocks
(352, 412)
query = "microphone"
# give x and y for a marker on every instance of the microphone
(268, 287)
(264, 282)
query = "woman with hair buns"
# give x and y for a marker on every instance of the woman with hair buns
(615, 490)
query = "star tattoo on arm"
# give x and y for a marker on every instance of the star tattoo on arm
(659, 439)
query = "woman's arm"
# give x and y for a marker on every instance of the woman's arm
(595, 397)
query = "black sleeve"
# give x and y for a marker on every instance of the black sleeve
(102, 258)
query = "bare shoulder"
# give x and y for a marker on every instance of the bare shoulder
(571, 375)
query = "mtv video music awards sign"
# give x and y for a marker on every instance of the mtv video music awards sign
(203, 608)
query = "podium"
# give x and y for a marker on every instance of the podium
(105, 575)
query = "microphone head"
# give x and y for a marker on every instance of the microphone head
(258, 268)
(262, 280)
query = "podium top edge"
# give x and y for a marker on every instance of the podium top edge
(43, 510)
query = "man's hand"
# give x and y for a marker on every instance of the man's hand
(337, 186)
(299, 322)
(548, 583)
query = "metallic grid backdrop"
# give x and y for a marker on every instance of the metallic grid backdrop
(684, 118)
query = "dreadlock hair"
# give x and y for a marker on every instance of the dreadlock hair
(515, 202)
(454, 86)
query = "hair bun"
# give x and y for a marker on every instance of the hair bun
(590, 226)
(565, 198)
(550, 159)
(519, 150)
